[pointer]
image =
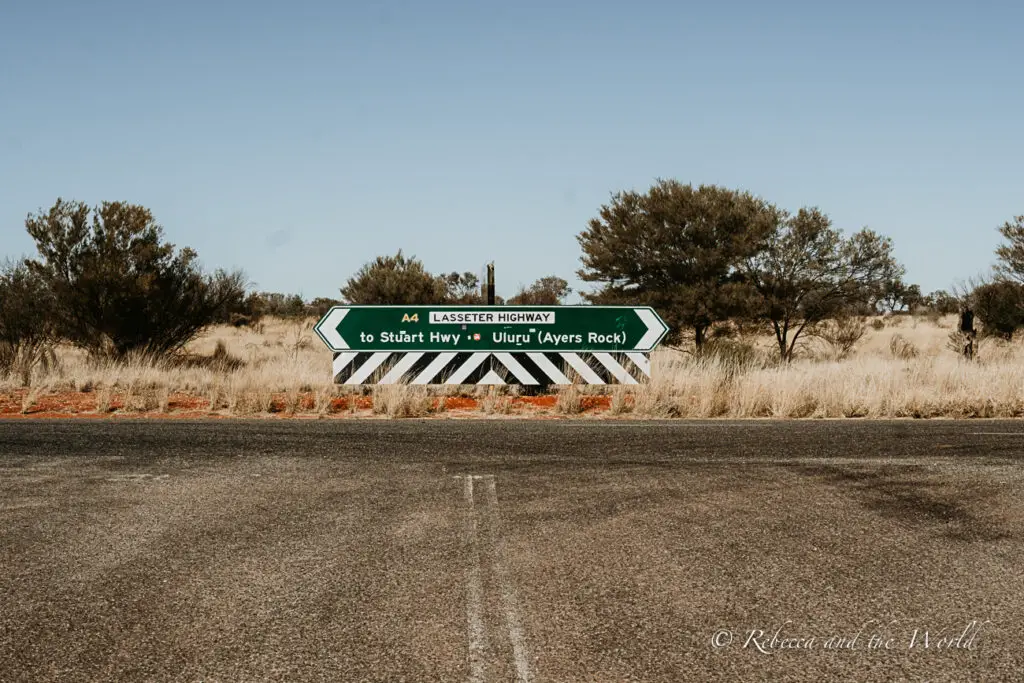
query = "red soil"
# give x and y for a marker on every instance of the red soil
(181, 405)
(537, 401)
(460, 403)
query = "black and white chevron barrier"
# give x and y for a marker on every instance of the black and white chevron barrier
(432, 367)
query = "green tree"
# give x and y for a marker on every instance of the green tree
(808, 273)
(118, 287)
(1000, 307)
(278, 305)
(318, 307)
(462, 288)
(394, 280)
(27, 321)
(913, 299)
(676, 248)
(942, 302)
(1011, 254)
(898, 295)
(547, 291)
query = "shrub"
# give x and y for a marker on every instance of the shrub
(399, 400)
(1000, 307)
(622, 401)
(733, 355)
(957, 342)
(318, 307)
(220, 361)
(394, 280)
(258, 305)
(118, 287)
(942, 302)
(495, 402)
(841, 335)
(569, 401)
(27, 322)
(902, 348)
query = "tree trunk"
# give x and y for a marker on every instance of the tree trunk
(792, 343)
(699, 332)
(780, 337)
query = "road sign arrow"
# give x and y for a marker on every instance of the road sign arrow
(328, 329)
(656, 329)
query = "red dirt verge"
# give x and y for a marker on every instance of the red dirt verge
(26, 403)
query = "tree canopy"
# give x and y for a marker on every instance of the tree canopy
(807, 272)
(897, 295)
(394, 280)
(1011, 253)
(1000, 307)
(462, 288)
(118, 287)
(547, 291)
(677, 248)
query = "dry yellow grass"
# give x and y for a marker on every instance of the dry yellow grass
(868, 386)
(395, 400)
(495, 402)
(881, 378)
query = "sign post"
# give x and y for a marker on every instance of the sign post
(525, 344)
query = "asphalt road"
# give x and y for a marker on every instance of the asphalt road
(452, 550)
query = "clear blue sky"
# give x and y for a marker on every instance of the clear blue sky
(298, 140)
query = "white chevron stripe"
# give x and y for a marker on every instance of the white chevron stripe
(618, 372)
(641, 361)
(435, 367)
(400, 368)
(471, 364)
(372, 363)
(491, 378)
(516, 368)
(548, 368)
(341, 362)
(580, 366)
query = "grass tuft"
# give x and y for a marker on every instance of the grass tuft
(569, 401)
(399, 400)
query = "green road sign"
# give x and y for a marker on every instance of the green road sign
(491, 328)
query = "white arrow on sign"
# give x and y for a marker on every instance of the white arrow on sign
(328, 329)
(655, 329)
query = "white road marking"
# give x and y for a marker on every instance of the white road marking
(508, 596)
(138, 477)
(475, 626)
(474, 593)
(997, 433)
